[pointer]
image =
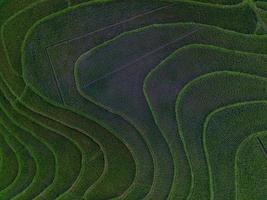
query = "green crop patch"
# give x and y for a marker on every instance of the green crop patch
(250, 152)
(9, 159)
(196, 94)
(70, 164)
(92, 156)
(133, 99)
(14, 29)
(222, 146)
(99, 79)
(26, 172)
(178, 69)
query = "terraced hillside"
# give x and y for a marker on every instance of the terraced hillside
(133, 99)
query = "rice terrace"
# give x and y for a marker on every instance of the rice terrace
(133, 100)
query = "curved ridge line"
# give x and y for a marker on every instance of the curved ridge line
(246, 140)
(54, 130)
(205, 126)
(134, 61)
(12, 148)
(182, 93)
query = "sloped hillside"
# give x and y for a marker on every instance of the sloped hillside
(133, 99)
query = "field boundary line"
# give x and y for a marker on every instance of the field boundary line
(262, 147)
(142, 57)
(110, 26)
(6, 22)
(54, 74)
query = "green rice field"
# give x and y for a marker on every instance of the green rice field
(133, 100)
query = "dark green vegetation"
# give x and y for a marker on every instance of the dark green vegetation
(133, 99)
